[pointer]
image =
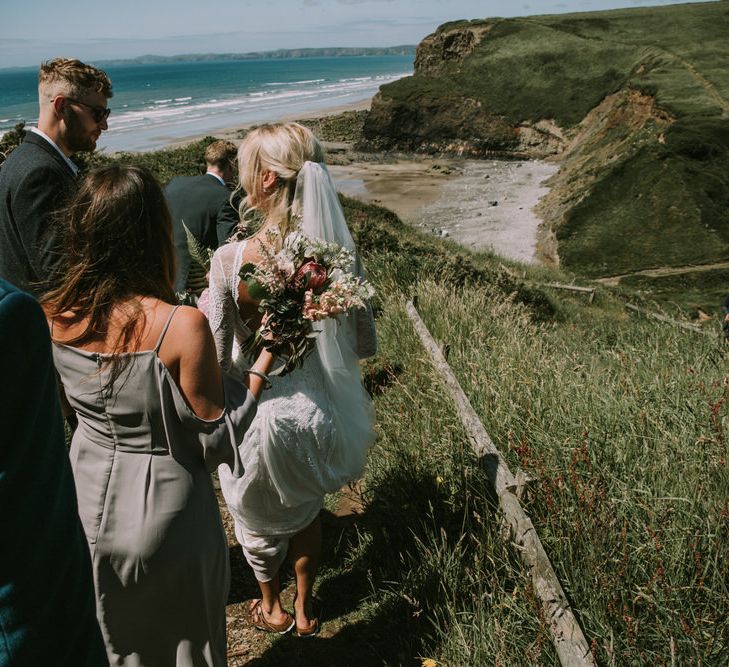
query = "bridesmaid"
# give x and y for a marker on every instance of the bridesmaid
(155, 417)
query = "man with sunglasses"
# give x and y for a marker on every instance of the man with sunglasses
(39, 176)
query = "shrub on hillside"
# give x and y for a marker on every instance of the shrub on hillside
(187, 160)
(10, 140)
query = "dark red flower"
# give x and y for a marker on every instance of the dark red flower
(317, 275)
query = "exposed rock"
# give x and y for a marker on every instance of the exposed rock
(591, 148)
(447, 46)
(437, 125)
(637, 114)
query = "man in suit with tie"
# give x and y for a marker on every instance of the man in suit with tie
(39, 176)
(202, 205)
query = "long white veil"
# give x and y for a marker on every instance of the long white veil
(316, 201)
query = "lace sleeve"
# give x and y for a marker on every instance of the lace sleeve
(222, 301)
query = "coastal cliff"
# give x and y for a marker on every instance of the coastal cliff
(634, 104)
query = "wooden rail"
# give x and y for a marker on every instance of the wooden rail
(574, 288)
(664, 318)
(567, 636)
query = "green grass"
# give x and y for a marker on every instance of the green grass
(647, 187)
(624, 426)
(561, 66)
(623, 421)
(683, 294)
(664, 205)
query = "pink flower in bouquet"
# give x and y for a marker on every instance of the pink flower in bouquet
(317, 275)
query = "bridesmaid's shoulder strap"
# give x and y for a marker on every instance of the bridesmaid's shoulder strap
(164, 328)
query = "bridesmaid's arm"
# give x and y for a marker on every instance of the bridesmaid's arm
(189, 345)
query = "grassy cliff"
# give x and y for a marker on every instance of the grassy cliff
(621, 422)
(635, 104)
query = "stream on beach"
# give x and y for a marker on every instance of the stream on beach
(481, 204)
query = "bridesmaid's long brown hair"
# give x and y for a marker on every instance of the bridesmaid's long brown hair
(117, 245)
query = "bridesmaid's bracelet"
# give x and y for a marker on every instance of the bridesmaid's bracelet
(263, 376)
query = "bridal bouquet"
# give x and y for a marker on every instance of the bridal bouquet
(305, 282)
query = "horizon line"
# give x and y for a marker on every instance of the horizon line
(231, 55)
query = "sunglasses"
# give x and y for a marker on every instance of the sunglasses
(97, 113)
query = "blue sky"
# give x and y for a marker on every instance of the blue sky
(35, 30)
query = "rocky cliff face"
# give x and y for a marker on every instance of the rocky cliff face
(434, 120)
(641, 132)
(447, 46)
(599, 144)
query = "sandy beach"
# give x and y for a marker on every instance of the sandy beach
(481, 204)
(234, 133)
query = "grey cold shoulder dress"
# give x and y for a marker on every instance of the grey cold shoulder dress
(142, 461)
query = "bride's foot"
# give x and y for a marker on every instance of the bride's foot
(277, 620)
(307, 613)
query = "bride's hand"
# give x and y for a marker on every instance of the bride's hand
(264, 329)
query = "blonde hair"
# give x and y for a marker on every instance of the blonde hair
(71, 77)
(282, 148)
(221, 154)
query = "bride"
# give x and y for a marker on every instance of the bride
(313, 428)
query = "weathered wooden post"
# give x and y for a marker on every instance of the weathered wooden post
(567, 636)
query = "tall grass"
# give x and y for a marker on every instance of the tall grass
(430, 542)
(624, 426)
(622, 422)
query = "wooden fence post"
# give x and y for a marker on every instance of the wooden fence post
(567, 636)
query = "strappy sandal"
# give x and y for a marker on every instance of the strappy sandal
(313, 629)
(258, 620)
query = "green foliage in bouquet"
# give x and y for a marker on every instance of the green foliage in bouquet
(305, 282)
(201, 256)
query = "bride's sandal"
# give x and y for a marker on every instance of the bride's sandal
(315, 626)
(258, 620)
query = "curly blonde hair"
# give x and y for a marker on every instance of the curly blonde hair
(68, 76)
(282, 148)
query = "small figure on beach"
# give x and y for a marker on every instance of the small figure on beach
(155, 417)
(202, 218)
(47, 602)
(314, 427)
(39, 176)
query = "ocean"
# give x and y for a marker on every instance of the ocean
(157, 104)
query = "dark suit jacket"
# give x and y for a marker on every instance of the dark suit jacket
(204, 205)
(47, 601)
(34, 182)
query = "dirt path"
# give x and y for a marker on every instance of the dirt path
(709, 87)
(248, 647)
(613, 281)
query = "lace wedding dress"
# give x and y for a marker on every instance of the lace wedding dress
(310, 435)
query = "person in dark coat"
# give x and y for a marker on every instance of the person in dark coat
(202, 205)
(47, 601)
(39, 176)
